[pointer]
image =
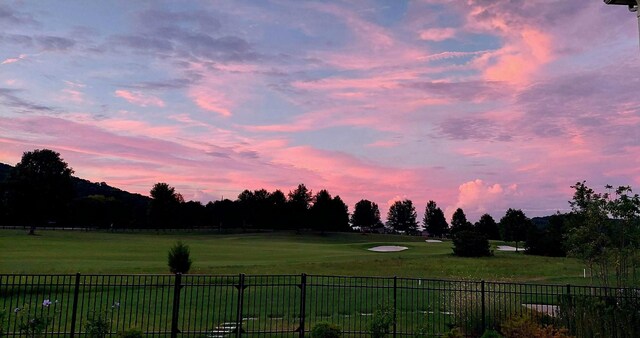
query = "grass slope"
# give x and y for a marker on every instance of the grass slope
(271, 253)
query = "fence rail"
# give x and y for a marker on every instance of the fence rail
(290, 305)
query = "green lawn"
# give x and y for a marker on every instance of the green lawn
(270, 253)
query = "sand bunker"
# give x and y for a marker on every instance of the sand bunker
(388, 248)
(433, 241)
(506, 248)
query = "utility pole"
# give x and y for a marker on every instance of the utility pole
(631, 4)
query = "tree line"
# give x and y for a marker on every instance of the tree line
(602, 229)
(40, 190)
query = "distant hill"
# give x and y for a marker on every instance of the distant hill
(84, 188)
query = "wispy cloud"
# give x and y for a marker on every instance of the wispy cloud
(13, 60)
(139, 99)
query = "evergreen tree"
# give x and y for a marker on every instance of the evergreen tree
(459, 222)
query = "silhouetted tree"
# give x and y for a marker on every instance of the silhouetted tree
(488, 227)
(470, 243)
(247, 204)
(434, 221)
(99, 211)
(547, 238)
(39, 188)
(164, 206)
(321, 211)
(277, 217)
(402, 217)
(193, 214)
(459, 222)
(329, 214)
(224, 214)
(339, 215)
(298, 207)
(514, 226)
(366, 216)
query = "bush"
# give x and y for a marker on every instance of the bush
(526, 326)
(602, 316)
(3, 318)
(470, 243)
(98, 324)
(467, 311)
(521, 326)
(491, 334)
(130, 333)
(326, 330)
(454, 333)
(179, 258)
(382, 322)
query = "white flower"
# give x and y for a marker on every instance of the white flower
(46, 303)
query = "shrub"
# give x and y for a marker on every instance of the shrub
(470, 243)
(33, 323)
(382, 322)
(602, 316)
(491, 334)
(179, 258)
(326, 330)
(98, 324)
(467, 308)
(526, 326)
(3, 318)
(521, 326)
(130, 333)
(453, 333)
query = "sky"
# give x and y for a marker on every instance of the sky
(479, 104)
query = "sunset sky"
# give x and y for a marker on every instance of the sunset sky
(478, 104)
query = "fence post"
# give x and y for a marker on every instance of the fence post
(303, 303)
(74, 310)
(395, 305)
(484, 324)
(241, 288)
(176, 305)
(570, 307)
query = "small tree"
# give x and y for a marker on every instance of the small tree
(604, 232)
(382, 321)
(469, 243)
(514, 226)
(179, 258)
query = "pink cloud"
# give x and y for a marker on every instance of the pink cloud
(140, 99)
(478, 197)
(212, 101)
(383, 144)
(520, 59)
(14, 60)
(437, 34)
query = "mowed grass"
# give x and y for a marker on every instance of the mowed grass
(57, 252)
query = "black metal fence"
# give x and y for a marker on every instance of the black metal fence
(290, 305)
